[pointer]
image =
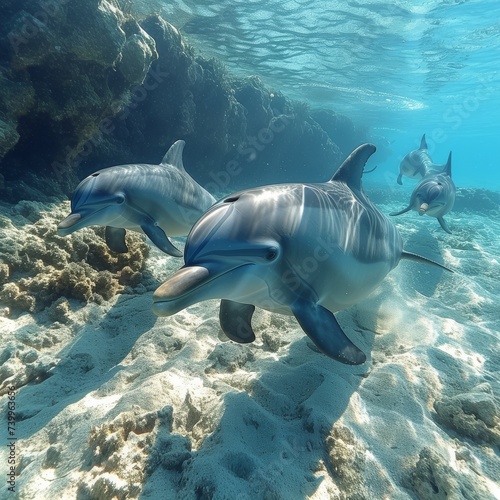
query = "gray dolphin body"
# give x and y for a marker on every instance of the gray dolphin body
(158, 200)
(434, 195)
(306, 250)
(418, 163)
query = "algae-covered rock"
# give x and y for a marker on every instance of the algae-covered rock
(8, 138)
(16, 96)
(477, 200)
(256, 99)
(4, 272)
(137, 54)
(346, 458)
(474, 414)
(39, 269)
(340, 129)
(432, 477)
(59, 310)
(116, 469)
(236, 129)
(96, 88)
(70, 67)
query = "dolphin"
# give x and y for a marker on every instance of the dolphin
(418, 163)
(158, 200)
(434, 195)
(307, 250)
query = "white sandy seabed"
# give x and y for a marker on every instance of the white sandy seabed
(126, 405)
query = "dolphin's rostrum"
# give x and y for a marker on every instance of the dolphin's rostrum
(303, 249)
(158, 200)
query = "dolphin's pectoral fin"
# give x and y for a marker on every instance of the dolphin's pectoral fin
(160, 239)
(407, 209)
(235, 321)
(115, 239)
(400, 181)
(443, 224)
(323, 329)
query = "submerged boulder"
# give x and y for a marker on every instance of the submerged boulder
(67, 66)
(473, 414)
(85, 86)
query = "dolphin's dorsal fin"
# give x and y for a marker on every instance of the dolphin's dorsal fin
(423, 143)
(351, 170)
(447, 167)
(174, 155)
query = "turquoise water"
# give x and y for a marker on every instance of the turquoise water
(400, 68)
(112, 401)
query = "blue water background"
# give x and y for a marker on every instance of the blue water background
(402, 68)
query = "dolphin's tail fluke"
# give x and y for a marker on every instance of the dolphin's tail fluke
(418, 258)
(407, 209)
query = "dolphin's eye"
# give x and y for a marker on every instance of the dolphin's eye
(120, 199)
(272, 253)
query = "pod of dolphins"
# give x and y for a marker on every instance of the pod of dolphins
(307, 250)
(434, 195)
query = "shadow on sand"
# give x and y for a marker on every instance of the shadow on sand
(271, 437)
(423, 278)
(86, 364)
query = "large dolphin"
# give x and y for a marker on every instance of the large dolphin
(417, 163)
(158, 200)
(303, 249)
(434, 195)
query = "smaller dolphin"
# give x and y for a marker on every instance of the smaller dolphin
(417, 163)
(434, 195)
(158, 200)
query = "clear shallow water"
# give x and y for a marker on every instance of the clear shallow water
(253, 421)
(400, 68)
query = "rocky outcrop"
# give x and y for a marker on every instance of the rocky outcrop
(473, 414)
(66, 67)
(38, 268)
(84, 86)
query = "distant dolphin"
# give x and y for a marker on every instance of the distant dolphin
(434, 195)
(158, 200)
(302, 249)
(417, 163)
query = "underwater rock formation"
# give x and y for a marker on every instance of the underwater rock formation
(39, 269)
(432, 477)
(84, 86)
(473, 415)
(340, 129)
(477, 200)
(109, 457)
(346, 458)
(69, 65)
(237, 130)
